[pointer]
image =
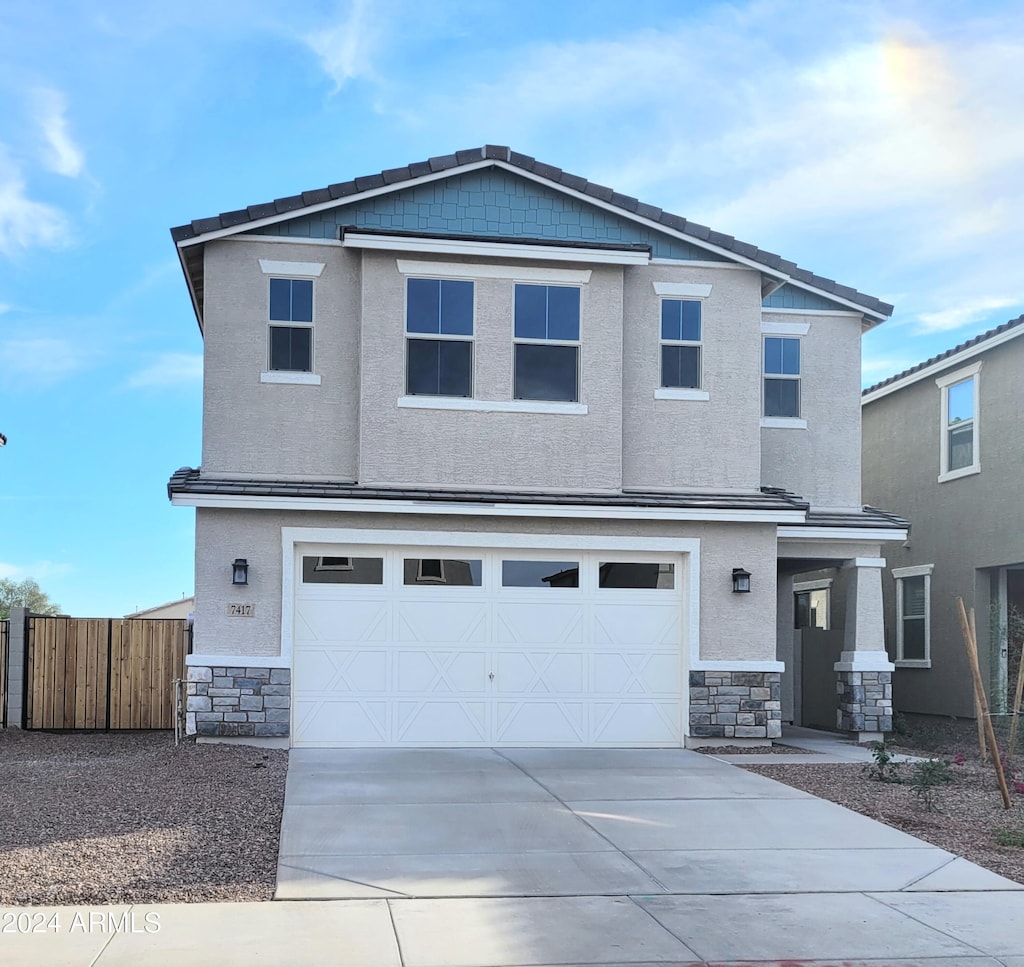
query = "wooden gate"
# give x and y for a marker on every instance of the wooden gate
(103, 673)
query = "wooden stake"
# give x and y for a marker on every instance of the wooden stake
(1017, 695)
(977, 707)
(979, 692)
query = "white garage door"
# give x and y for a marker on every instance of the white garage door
(477, 647)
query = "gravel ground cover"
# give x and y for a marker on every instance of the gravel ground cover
(776, 749)
(968, 812)
(94, 817)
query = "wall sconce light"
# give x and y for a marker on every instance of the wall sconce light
(240, 571)
(740, 581)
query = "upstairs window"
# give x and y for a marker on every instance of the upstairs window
(781, 376)
(680, 344)
(959, 423)
(547, 337)
(291, 346)
(441, 365)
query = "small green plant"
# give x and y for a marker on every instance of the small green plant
(1012, 835)
(900, 726)
(926, 779)
(884, 767)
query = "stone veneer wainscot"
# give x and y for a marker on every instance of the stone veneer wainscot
(225, 701)
(865, 701)
(735, 705)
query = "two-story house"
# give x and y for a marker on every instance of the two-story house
(944, 446)
(493, 455)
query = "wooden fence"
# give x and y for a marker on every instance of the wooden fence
(5, 630)
(103, 673)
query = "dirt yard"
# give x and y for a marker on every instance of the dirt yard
(968, 812)
(117, 817)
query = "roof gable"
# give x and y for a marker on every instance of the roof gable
(494, 202)
(671, 232)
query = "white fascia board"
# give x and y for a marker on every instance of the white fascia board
(333, 203)
(876, 317)
(582, 511)
(809, 532)
(943, 364)
(434, 245)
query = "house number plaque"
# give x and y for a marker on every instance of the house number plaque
(241, 610)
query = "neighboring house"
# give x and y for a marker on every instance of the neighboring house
(944, 446)
(182, 608)
(496, 456)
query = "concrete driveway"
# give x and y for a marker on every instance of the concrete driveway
(550, 856)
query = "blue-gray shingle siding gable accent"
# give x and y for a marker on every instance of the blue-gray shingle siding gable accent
(788, 297)
(489, 202)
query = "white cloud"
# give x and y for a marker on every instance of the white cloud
(61, 155)
(41, 361)
(169, 370)
(24, 222)
(962, 314)
(346, 50)
(39, 571)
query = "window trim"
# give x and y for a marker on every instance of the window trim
(782, 422)
(295, 376)
(698, 344)
(577, 344)
(437, 337)
(945, 383)
(806, 587)
(899, 574)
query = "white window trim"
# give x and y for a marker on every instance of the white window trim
(944, 383)
(462, 270)
(899, 573)
(821, 584)
(681, 393)
(290, 376)
(685, 290)
(785, 328)
(292, 270)
(440, 337)
(529, 341)
(491, 406)
(783, 423)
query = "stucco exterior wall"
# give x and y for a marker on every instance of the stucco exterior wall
(488, 449)
(709, 444)
(964, 527)
(822, 462)
(271, 429)
(735, 627)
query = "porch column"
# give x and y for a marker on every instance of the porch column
(864, 672)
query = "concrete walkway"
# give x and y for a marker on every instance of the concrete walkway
(434, 858)
(813, 745)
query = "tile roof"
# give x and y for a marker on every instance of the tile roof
(969, 344)
(192, 481)
(396, 176)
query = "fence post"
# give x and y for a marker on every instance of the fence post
(17, 652)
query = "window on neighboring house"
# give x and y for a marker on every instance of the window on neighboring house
(680, 344)
(913, 621)
(959, 443)
(547, 337)
(443, 364)
(291, 346)
(781, 376)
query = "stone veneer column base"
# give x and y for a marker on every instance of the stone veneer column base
(865, 702)
(225, 701)
(743, 707)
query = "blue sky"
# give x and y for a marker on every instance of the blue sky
(880, 144)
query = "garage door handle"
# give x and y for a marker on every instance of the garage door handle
(491, 676)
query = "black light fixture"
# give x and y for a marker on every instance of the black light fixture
(740, 581)
(240, 571)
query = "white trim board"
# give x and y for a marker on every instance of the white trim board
(311, 270)
(440, 245)
(476, 509)
(863, 534)
(467, 270)
(690, 290)
(943, 364)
